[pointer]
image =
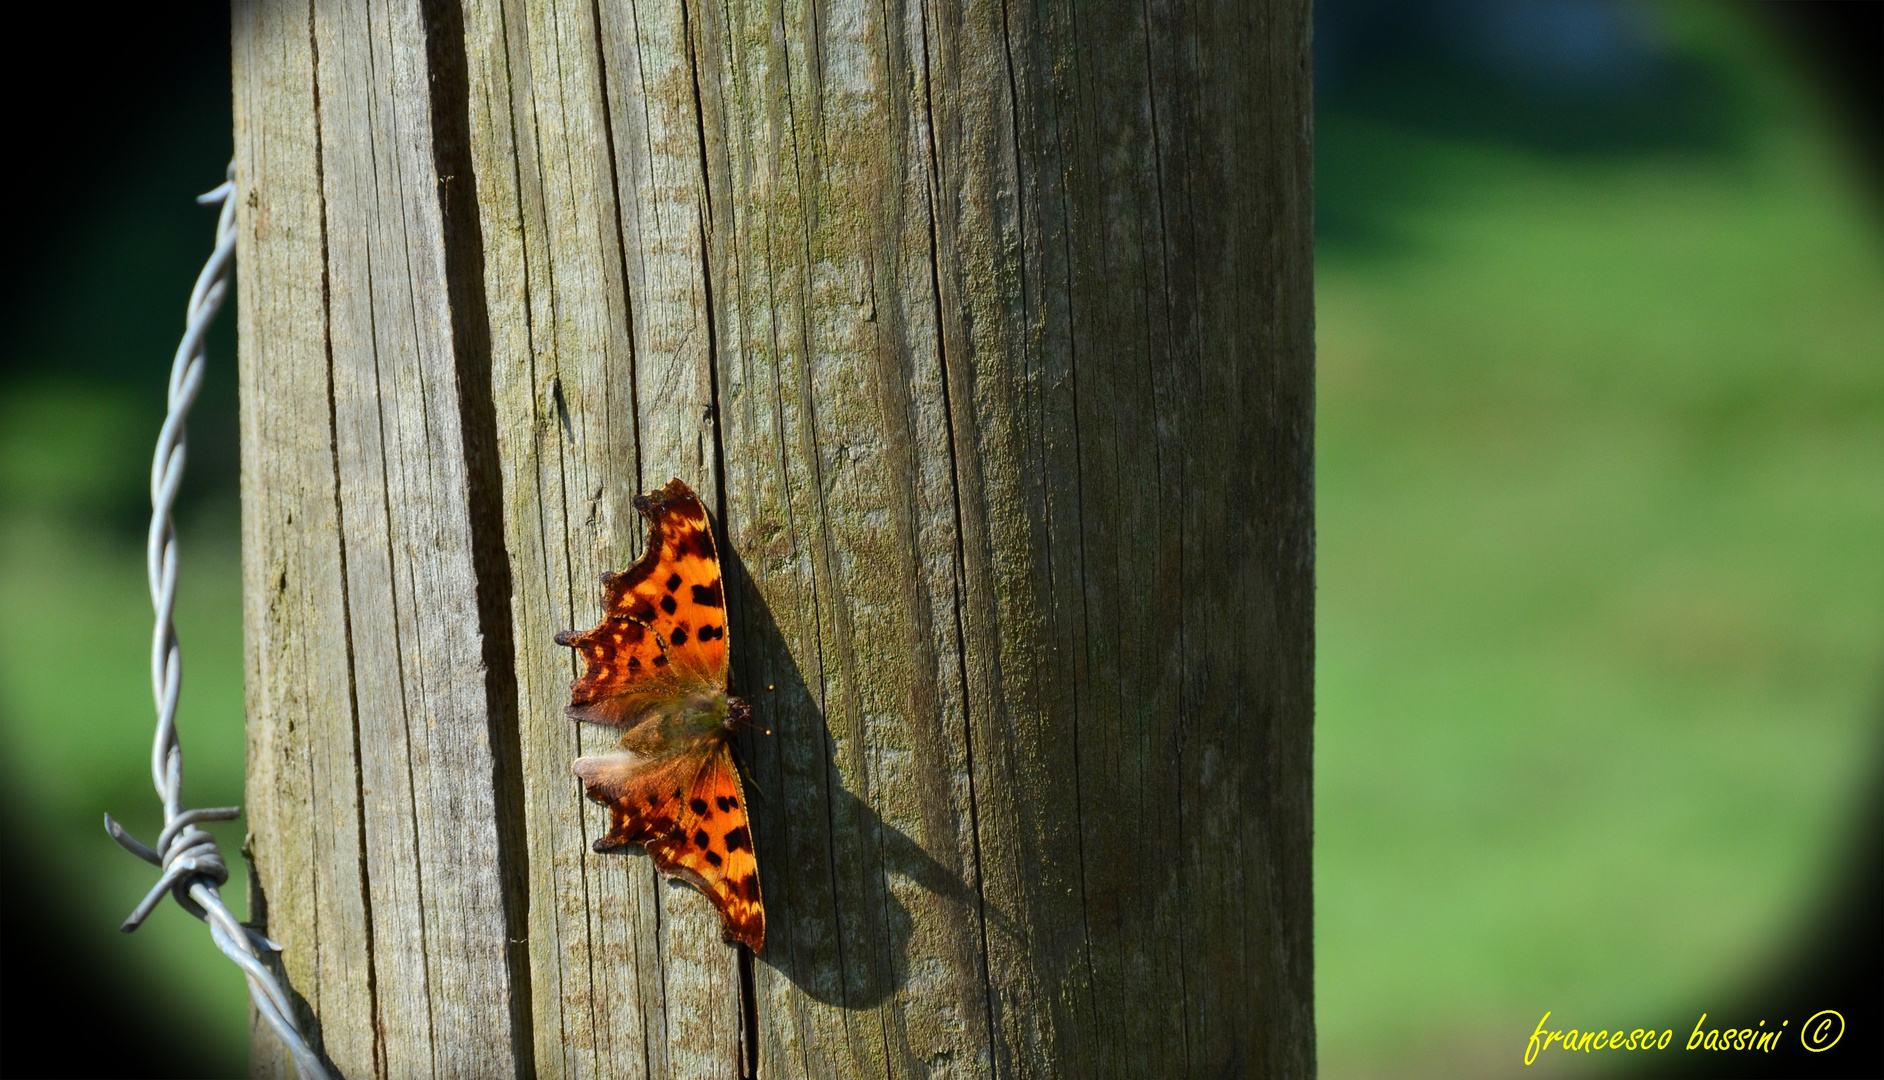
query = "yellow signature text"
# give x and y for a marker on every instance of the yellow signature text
(1586, 1041)
(1820, 1033)
(1761, 1038)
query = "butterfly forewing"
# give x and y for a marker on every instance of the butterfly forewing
(663, 630)
(712, 848)
(675, 588)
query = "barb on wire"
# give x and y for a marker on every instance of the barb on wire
(193, 870)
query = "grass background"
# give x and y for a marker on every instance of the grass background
(1601, 502)
(1601, 521)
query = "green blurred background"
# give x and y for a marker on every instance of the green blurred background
(1600, 315)
(1601, 508)
(106, 241)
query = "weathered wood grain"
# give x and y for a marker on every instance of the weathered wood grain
(425, 718)
(629, 977)
(985, 330)
(303, 788)
(376, 391)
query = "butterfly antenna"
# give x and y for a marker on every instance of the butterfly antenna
(769, 688)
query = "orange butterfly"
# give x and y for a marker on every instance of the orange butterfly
(657, 667)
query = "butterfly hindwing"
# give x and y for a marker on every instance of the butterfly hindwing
(645, 798)
(625, 677)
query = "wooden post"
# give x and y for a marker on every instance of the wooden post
(985, 330)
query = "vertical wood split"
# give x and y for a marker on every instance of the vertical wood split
(986, 329)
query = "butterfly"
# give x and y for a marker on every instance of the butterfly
(657, 668)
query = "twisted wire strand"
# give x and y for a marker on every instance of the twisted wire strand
(193, 870)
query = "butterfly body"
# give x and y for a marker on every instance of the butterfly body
(701, 719)
(657, 668)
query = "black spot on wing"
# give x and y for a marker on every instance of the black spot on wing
(673, 582)
(699, 807)
(707, 595)
(680, 635)
(738, 840)
(726, 803)
(701, 839)
(697, 543)
(668, 605)
(713, 857)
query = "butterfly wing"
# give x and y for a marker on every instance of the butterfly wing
(646, 797)
(712, 849)
(628, 675)
(663, 629)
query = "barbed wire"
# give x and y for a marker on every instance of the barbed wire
(193, 870)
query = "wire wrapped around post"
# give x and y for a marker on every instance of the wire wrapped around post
(193, 869)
